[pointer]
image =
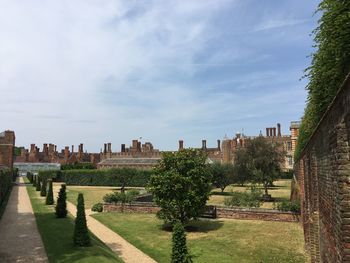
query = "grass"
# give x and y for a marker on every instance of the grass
(57, 235)
(223, 241)
(281, 191)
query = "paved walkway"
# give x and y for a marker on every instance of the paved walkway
(20, 240)
(116, 243)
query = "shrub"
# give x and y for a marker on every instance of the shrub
(30, 177)
(43, 188)
(34, 180)
(49, 196)
(61, 206)
(123, 198)
(179, 248)
(38, 184)
(97, 207)
(5, 184)
(289, 206)
(78, 166)
(81, 233)
(245, 199)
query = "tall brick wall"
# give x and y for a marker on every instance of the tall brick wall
(7, 147)
(323, 173)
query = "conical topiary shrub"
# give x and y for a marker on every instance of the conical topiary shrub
(61, 206)
(49, 196)
(34, 181)
(43, 187)
(179, 253)
(38, 184)
(81, 234)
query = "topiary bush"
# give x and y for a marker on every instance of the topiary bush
(38, 184)
(34, 180)
(289, 206)
(179, 248)
(30, 177)
(81, 234)
(49, 196)
(61, 206)
(43, 188)
(97, 207)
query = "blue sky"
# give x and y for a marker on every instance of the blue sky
(112, 71)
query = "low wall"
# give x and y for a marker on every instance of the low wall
(222, 212)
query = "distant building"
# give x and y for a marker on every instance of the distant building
(7, 147)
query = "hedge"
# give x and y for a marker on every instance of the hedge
(110, 177)
(6, 178)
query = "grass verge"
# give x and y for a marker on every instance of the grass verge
(57, 235)
(223, 241)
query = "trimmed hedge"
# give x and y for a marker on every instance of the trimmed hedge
(6, 178)
(110, 177)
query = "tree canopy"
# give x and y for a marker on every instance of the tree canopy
(181, 185)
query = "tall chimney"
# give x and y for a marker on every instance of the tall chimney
(181, 145)
(66, 152)
(274, 131)
(109, 147)
(204, 144)
(105, 148)
(279, 134)
(72, 148)
(267, 132)
(219, 145)
(123, 148)
(81, 148)
(55, 148)
(32, 147)
(139, 146)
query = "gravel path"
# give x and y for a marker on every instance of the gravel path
(125, 250)
(20, 240)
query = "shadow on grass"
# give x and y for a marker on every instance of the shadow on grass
(199, 226)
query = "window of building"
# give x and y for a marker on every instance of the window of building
(289, 146)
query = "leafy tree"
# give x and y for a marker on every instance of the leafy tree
(81, 234)
(49, 196)
(222, 175)
(179, 252)
(126, 175)
(264, 159)
(242, 170)
(329, 66)
(43, 188)
(181, 185)
(38, 184)
(61, 206)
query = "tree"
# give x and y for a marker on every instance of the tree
(61, 206)
(329, 65)
(125, 176)
(81, 234)
(264, 159)
(242, 171)
(38, 184)
(179, 252)
(181, 185)
(49, 196)
(222, 175)
(43, 187)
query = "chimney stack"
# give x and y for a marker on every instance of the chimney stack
(267, 132)
(72, 148)
(105, 148)
(109, 147)
(123, 148)
(81, 148)
(279, 134)
(181, 145)
(32, 147)
(66, 152)
(219, 145)
(204, 144)
(274, 131)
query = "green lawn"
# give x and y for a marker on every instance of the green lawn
(281, 191)
(214, 241)
(57, 235)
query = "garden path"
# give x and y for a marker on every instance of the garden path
(125, 250)
(20, 240)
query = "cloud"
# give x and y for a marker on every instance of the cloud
(97, 71)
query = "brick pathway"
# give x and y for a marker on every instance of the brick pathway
(20, 240)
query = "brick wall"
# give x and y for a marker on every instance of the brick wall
(323, 173)
(7, 147)
(222, 212)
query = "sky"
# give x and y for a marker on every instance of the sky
(97, 71)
